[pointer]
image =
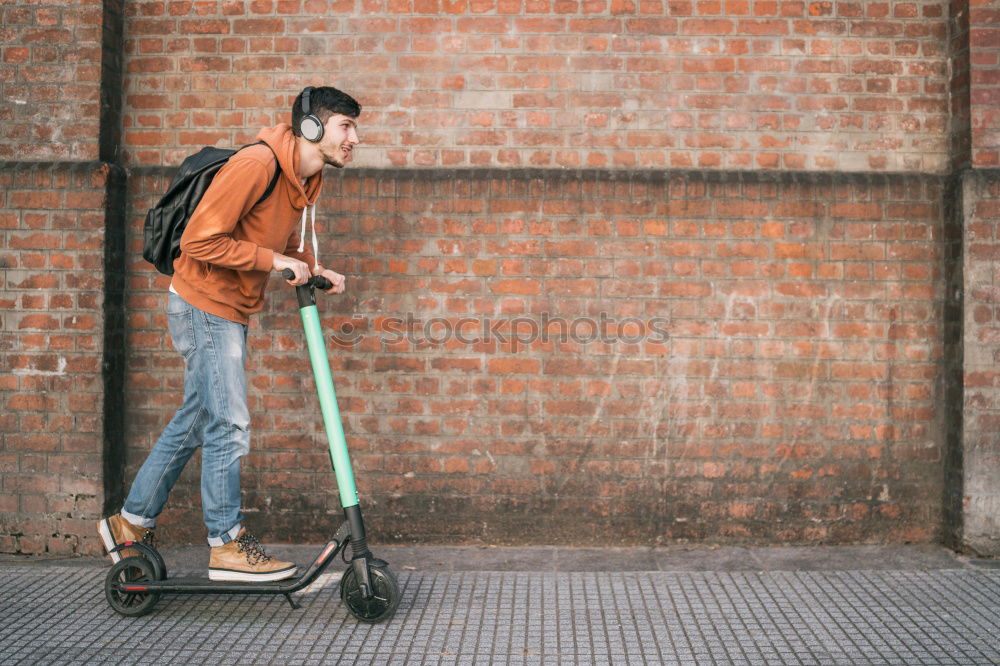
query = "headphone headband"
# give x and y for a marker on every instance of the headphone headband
(310, 126)
(305, 100)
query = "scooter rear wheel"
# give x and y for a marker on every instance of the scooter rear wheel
(381, 605)
(135, 570)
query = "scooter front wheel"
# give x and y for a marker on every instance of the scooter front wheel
(385, 594)
(126, 572)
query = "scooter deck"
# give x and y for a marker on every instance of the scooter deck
(202, 585)
(186, 584)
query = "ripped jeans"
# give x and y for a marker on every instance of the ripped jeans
(214, 415)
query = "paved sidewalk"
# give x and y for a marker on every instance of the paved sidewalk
(678, 605)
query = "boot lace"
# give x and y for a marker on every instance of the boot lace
(248, 544)
(149, 539)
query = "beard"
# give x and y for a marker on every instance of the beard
(335, 160)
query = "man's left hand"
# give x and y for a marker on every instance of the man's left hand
(338, 280)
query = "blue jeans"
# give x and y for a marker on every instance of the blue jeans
(214, 415)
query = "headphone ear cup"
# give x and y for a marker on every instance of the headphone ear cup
(311, 128)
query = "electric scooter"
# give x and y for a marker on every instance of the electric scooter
(368, 588)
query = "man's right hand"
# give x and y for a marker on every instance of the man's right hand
(300, 268)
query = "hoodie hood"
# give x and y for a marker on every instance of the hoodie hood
(282, 141)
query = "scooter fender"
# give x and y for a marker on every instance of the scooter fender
(148, 552)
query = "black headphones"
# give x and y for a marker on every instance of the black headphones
(310, 126)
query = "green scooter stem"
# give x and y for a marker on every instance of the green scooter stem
(328, 403)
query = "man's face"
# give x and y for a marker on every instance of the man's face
(339, 138)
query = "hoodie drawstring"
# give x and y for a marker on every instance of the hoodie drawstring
(302, 234)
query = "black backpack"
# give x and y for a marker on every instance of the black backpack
(165, 222)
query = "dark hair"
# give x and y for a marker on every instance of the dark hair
(324, 101)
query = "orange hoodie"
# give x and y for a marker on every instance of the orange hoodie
(228, 246)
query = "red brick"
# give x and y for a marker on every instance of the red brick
(707, 27)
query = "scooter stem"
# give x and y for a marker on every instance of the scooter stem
(327, 399)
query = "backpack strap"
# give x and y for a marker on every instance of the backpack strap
(274, 178)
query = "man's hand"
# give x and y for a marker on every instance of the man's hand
(300, 268)
(339, 281)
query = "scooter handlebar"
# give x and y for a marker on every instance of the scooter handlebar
(317, 281)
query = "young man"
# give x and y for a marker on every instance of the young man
(228, 248)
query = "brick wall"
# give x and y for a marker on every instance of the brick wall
(52, 220)
(710, 168)
(771, 370)
(981, 451)
(845, 86)
(984, 53)
(50, 73)
(980, 528)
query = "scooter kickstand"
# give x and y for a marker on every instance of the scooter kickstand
(291, 602)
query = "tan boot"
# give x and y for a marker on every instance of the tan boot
(243, 560)
(115, 530)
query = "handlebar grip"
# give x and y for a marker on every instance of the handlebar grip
(317, 281)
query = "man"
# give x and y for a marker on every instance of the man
(228, 248)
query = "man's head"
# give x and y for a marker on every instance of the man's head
(326, 118)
